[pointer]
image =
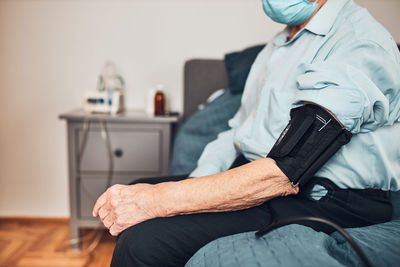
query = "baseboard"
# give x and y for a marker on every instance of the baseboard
(32, 219)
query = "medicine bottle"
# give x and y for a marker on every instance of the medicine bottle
(159, 103)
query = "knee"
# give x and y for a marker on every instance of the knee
(129, 249)
(138, 246)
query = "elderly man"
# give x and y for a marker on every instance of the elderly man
(333, 61)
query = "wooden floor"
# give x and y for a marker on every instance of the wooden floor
(44, 242)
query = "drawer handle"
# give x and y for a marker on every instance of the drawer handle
(118, 152)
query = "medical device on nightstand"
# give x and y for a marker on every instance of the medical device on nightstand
(109, 96)
(104, 102)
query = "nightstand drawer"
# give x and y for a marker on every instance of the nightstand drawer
(137, 151)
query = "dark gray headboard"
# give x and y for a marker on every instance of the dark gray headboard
(202, 77)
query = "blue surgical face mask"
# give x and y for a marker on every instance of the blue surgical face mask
(290, 12)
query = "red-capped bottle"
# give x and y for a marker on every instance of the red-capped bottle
(159, 103)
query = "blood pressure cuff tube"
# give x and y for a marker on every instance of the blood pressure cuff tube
(311, 138)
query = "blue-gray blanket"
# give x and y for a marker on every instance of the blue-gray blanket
(200, 129)
(297, 245)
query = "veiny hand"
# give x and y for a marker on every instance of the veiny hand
(122, 206)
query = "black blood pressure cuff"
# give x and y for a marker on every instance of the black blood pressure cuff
(311, 138)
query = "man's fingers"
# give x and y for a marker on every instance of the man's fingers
(108, 221)
(115, 230)
(99, 203)
(103, 212)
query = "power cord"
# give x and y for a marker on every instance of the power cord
(98, 232)
(343, 232)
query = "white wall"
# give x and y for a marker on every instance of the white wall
(51, 51)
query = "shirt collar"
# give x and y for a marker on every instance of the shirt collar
(323, 21)
(281, 38)
(320, 24)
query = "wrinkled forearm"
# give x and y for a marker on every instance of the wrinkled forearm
(240, 188)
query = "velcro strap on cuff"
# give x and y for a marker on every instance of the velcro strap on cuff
(310, 139)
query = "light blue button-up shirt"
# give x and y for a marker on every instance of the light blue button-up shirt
(342, 60)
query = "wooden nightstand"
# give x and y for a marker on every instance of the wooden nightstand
(140, 146)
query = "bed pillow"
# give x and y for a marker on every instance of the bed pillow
(238, 66)
(205, 125)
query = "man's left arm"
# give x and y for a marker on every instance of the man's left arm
(359, 83)
(247, 186)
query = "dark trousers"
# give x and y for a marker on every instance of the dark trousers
(172, 241)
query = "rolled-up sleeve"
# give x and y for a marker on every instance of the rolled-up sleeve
(359, 83)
